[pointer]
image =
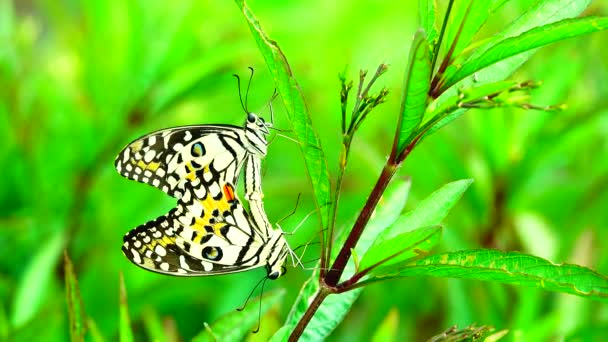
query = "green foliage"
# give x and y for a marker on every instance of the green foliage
(512, 268)
(417, 81)
(74, 301)
(126, 332)
(296, 110)
(238, 324)
(79, 80)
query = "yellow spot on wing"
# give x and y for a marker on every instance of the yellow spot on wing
(152, 166)
(136, 146)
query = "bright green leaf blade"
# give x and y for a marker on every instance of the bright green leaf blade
(417, 82)
(281, 335)
(126, 334)
(34, 283)
(387, 331)
(401, 247)
(93, 331)
(475, 18)
(511, 268)
(298, 113)
(541, 13)
(154, 325)
(430, 211)
(335, 307)
(237, 325)
(528, 40)
(76, 312)
(427, 11)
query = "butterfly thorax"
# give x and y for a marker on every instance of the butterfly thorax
(256, 130)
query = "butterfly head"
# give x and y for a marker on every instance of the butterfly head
(256, 130)
(275, 272)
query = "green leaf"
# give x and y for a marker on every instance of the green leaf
(387, 331)
(237, 325)
(542, 13)
(430, 211)
(476, 16)
(296, 110)
(511, 268)
(154, 325)
(76, 312)
(281, 335)
(33, 285)
(126, 334)
(417, 81)
(427, 11)
(402, 247)
(94, 333)
(335, 307)
(526, 41)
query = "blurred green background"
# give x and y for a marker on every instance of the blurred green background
(79, 80)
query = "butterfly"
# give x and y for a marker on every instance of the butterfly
(209, 232)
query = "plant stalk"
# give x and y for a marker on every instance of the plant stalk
(309, 313)
(333, 276)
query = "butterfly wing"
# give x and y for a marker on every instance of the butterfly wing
(204, 236)
(169, 158)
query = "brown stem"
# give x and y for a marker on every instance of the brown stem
(309, 313)
(333, 276)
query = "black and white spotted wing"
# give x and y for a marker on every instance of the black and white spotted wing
(168, 158)
(206, 235)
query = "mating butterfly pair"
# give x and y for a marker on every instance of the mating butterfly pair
(209, 232)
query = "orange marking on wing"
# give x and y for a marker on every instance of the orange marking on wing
(229, 192)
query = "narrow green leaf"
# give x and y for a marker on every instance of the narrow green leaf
(427, 11)
(511, 268)
(430, 211)
(296, 109)
(153, 325)
(76, 312)
(401, 247)
(417, 81)
(475, 18)
(387, 331)
(526, 41)
(126, 334)
(33, 285)
(94, 333)
(237, 325)
(335, 307)
(281, 335)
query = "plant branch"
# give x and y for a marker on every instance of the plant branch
(309, 313)
(333, 276)
(441, 33)
(437, 82)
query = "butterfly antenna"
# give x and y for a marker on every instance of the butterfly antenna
(260, 308)
(293, 211)
(250, 294)
(281, 130)
(238, 84)
(274, 96)
(301, 222)
(286, 137)
(247, 91)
